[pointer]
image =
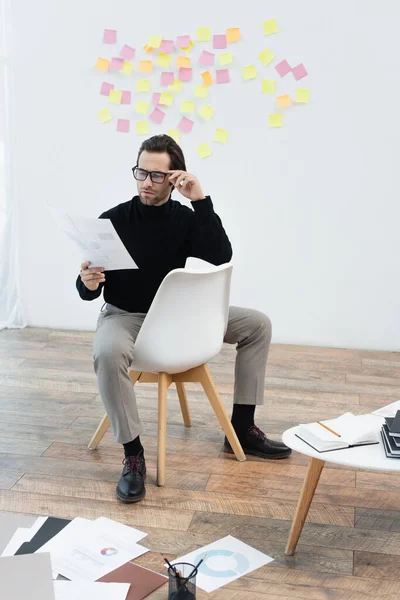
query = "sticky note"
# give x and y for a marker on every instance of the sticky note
(275, 120)
(157, 116)
(148, 48)
(175, 134)
(164, 60)
(266, 57)
(127, 67)
(283, 68)
(102, 64)
(104, 115)
(187, 107)
(206, 58)
(142, 85)
(123, 125)
(221, 136)
(127, 52)
(126, 97)
(115, 96)
(284, 101)
(302, 96)
(166, 99)
(183, 41)
(299, 72)
(188, 48)
(222, 76)
(225, 58)
(207, 78)
(203, 34)
(116, 64)
(204, 151)
(249, 72)
(206, 111)
(106, 88)
(268, 86)
(142, 127)
(233, 35)
(183, 61)
(155, 41)
(155, 99)
(167, 46)
(176, 86)
(167, 78)
(270, 27)
(185, 74)
(219, 42)
(201, 91)
(141, 107)
(110, 36)
(185, 125)
(145, 66)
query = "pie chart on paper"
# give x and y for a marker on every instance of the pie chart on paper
(223, 563)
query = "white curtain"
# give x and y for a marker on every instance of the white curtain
(11, 314)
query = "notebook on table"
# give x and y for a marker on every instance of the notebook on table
(392, 449)
(393, 425)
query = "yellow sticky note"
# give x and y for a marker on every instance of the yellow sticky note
(203, 34)
(266, 57)
(201, 91)
(221, 136)
(148, 48)
(188, 48)
(270, 27)
(232, 34)
(164, 60)
(268, 86)
(303, 96)
(176, 86)
(127, 68)
(183, 61)
(175, 134)
(145, 66)
(155, 41)
(204, 150)
(142, 85)
(166, 99)
(115, 96)
(206, 111)
(249, 72)
(207, 78)
(105, 115)
(141, 107)
(275, 120)
(187, 107)
(225, 58)
(284, 101)
(102, 64)
(142, 127)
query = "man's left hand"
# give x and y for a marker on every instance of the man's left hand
(188, 185)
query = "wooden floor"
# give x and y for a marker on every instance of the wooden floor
(350, 546)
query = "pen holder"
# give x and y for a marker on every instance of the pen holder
(182, 582)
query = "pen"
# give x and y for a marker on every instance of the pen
(329, 429)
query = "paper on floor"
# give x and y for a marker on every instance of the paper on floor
(26, 576)
(84, 590)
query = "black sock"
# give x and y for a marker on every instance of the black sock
(242, 417)
(133, 448)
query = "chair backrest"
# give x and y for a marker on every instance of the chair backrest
(186, 322)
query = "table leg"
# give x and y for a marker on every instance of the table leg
(310, 483)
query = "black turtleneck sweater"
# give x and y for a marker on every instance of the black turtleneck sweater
(159, 239)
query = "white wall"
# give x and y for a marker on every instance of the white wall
(312, 209)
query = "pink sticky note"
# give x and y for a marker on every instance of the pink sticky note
(185, 125)
(183, 41)
(283, 68)
(106, 88)
(222, 75)
(155, 98)
(110, 36)
(123, 125)
(127, 52)
(185, 74)
(206, 58)
(126, 97)
(116, 64)
(167, 46)
(219, 42)
(167, 78)
(299, 72)
(157, 116)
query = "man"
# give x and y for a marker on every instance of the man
(160, 234)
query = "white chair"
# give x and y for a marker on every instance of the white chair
(182, 331)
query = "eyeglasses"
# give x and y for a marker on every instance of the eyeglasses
(155, 176)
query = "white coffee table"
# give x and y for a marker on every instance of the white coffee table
(363, 457)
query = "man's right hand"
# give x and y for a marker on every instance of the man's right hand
(92, 278)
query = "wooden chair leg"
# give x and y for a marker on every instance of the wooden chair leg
(100, 432)
(164, 381)
(209, 387)
(184, 403)
(310, 483)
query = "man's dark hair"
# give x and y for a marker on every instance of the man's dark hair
(165, 143)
